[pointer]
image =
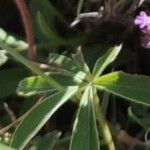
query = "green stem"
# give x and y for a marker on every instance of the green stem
(30, 65)
(103, 124)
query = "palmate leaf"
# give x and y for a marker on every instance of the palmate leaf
(37, 84)
(135, 88)
(39, 116)
(105, 60)
(85, 134)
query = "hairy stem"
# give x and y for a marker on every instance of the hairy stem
(27, 22)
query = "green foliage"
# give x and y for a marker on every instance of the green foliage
(85, 129)
(32, 66)
(131, 87)
(47, 142)
(76, 78)
(12, 41)
(70, 66)
(140, 114)
(3, 57)
(38, 85)
(39, 116)
(68, 79)
(52, 35)
(44, 14)
(105, 60)
(5, 147)
(48, 11)
(47, 31)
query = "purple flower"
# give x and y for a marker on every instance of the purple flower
(142, 20)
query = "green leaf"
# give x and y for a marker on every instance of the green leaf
(12, 41)
(78, 57)
(85, 134)
(52, 35)
(39, 116)
(37, 84)
(49, 14)
(67, 64)
(105, 60)
(140, 114)
(9, 79)
(92, 52)
(135, 88)
(46, 7)
(30, 65)
(47, 142)
(46, 29)
(3, 57)
(5, 147)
